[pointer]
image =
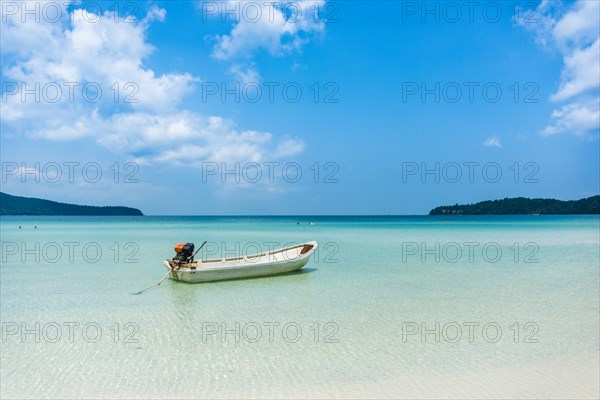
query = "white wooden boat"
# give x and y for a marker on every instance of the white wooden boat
(274, 262)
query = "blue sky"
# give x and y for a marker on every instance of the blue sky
(402, 87)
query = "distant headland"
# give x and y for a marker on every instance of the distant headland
(521, 206)
(17, 205)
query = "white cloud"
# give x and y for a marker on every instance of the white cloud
(492, 141)
(87, 48)
(177, 138)
(578, 118)
(185, 137)
(581, 72)
(579, 25)
(245, 73)
(93, 49)
(289, 147)
(574, 30)
(278, 28)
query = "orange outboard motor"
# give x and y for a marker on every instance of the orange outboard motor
(185, 252)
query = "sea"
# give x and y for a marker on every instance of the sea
(387, 307)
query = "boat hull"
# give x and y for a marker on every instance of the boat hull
(267, 264)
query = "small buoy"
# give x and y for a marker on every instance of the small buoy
(35, 227)
(19, 226)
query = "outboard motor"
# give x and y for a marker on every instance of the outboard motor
(185, 253)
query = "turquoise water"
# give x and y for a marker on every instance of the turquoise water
(348, 325)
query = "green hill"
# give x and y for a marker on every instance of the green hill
(16, 205)
(522, 205)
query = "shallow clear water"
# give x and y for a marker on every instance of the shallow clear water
(509, 305)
